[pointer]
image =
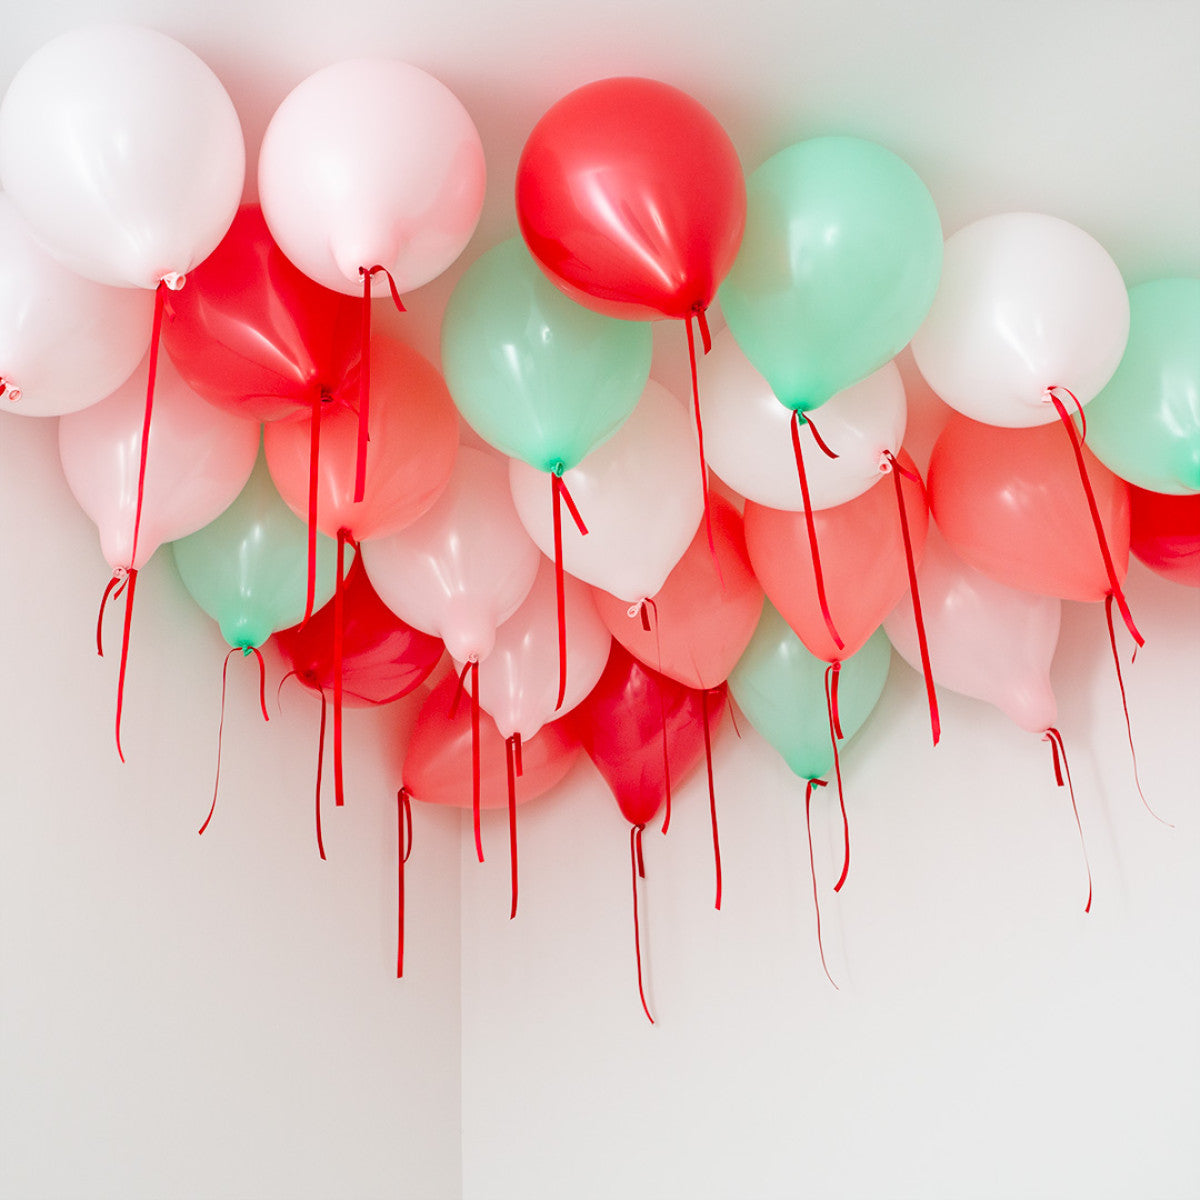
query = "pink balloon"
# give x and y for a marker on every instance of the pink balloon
(198, 460)
(638, 493)
(986, 640)
(464, 567)
(518, 681)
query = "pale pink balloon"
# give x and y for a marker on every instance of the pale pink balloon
(518, 682)
(986, 640)
(464, 567)
(198, 460)
(639, 495)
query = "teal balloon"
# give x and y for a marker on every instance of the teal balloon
(536, 375)
(248, 569)
(780, 686)
(838, 267)
(1145, 425)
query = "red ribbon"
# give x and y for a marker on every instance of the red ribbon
(559, 496)
(1061, 769)
(712, 798)
(818, 574)
(320, 769)
(130, 586)
(644, 609)
(638, 868)
(808, 791)
(314, 458)
(833, 675)
(698, 314)
(339, 620)
(472, 669)
(364, 376)
(403, 850)
(837, 766)
(512, 748)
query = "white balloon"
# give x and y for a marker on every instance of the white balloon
(638, 493)
(65, 341)
(748, 437)
(371, 162)
(1027, 302)
(123, 152)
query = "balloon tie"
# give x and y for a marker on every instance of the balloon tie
(833, 674)
(512, 751)
(818, 575)
(403, 850)
(561, 495)
(472, 668)
(637, 868)
(119, 578)
(812, 867)
(1106, 554)
(712, 797)
(1112, 641)
(339, 620)
(837, 767)
(314, 458)
(1062, 769)
(130, 585)
(698, 314)
(935, 717)
(320, 770)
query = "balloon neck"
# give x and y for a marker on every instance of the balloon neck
(7, 389)
(558, 468)
(174, 280)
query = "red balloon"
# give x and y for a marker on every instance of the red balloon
(620, 725)
(631, 196)
(704, 616)
(382, 657)
(1012, 505)
(253, 334)
(863, 562)
(437, 767)
(1165, 534)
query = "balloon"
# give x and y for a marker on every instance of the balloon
(534, 374)
(986, 640)
(199, 459)
(862, 559)
(518, 685)
(1027, 302)
(1165, 534)
(749, 441)
(411, 452)
(621, 726)
(465, 566)
(639, 496)
(371, 162)
(248, 568)
(838, 267)
(704, 614)
(780, 686)
(123, 152)
(253, 334)
(437, 766)
(1145, 424)
(631, 196)
(1011, 504)
(65, 341)
(382, 657)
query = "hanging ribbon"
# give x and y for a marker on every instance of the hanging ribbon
(833, 675)
(1061, 769)
(129, 586)
(339, 620)
(643, 609)
(472, 669)
(314, 458)
(830, 675)
(638, 869)
(403, 850)
(512, 750)
(712, 798)
(320, 768)
(246, 651)
(1093, 508)
(560, 495)
(698, 314)
(935, 718)
(808, 791)
(818, 574)
(364, 374)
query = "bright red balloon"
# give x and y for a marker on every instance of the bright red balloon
(705, 614)
(863, 562)
(620, 725)
(1012, 505)
(253, 334)
(1165, 534)
(437, 767)
(631, 196)
(382, 657)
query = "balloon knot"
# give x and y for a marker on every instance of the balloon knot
(558, 468)
(174, 280)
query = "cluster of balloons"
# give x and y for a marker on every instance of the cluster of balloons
(368, 542)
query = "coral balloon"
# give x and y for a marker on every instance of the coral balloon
(1011, 504)
(986, 640)
(862, 557)
(411, 452)
(437, 766)
(252, 333)
(1165, 534)
(631, 196)
(705, 613)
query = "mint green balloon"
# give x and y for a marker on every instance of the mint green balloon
(780, 686)
(248, 569)
(838, 266)
(1145, 424)
(536, 375)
